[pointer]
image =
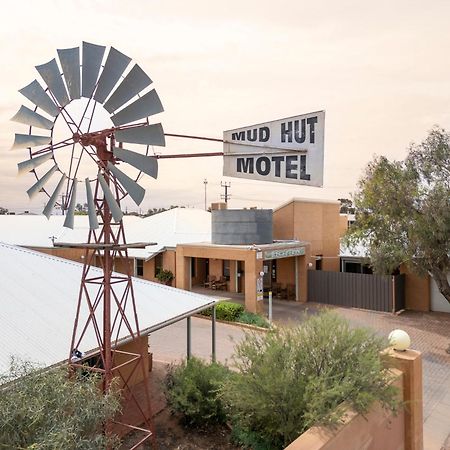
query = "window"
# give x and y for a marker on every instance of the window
(274, 270)
(193, 266)
(352, 267)
(319, 262)
(139, 267)
(158, 263)
(226, 269)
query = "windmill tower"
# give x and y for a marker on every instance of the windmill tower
(77, 89)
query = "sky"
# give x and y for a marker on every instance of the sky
(380, 70)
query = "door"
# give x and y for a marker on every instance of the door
(240, 276)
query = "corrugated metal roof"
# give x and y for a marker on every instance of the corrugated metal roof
(167, 229)
(39, 295)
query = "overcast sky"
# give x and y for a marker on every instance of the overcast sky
(380, 70)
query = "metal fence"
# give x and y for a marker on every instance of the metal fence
(374, 292)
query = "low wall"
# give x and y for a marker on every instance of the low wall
(379, 429)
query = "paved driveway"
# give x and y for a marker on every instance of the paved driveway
(430, 334)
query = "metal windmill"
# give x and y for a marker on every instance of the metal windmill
(106, 305)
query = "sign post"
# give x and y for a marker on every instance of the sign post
(283, 151)
(270, 308)
(260, 287)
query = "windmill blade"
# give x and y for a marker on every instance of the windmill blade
(70, 64)
(41, 182)
(51, 203)
(92, 60)
(136, 192)
(29, 140)
(33, 119)
(112, 203)
(36, 94)
(135, 81)
(51, 75)
(115, 65)
(68, 222)
(146, 135)
(148, 164)
(93, 221)
(145, 106)
(31, 164)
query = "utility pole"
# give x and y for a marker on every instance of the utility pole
(63, 203)
(205, 182)
(226, 185)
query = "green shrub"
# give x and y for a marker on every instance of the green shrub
(191, 389)
(290, 379)
(226, 311)
(252, 319)
(45, 409)
(165, 276)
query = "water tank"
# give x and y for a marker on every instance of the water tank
(242, 226)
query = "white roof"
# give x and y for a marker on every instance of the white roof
(359, 251)
(167, 229)
(39, 295)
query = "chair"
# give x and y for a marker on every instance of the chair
(290, 291)
(210, 280)
(221, 284)
(276, 290)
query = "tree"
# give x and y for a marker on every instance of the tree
(3, 211)
(81, 209)
(44, 409)
(403, 211)
(346, 206)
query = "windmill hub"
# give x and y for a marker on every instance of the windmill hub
(99, 141)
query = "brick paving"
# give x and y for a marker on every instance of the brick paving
(429, 332)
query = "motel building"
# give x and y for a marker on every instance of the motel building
(255, 251)
(293, 251)
(244, 252)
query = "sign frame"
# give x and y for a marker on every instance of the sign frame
(289, 150)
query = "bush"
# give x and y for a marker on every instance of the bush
(293, 378)
(165, 276)
(226, 311)
(191, 389)
(252, 319)
(44, 409)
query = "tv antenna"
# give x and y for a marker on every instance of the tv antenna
(78, 85)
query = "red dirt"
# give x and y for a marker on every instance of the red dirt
(172, 435)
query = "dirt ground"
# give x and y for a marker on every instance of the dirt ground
(171, 435)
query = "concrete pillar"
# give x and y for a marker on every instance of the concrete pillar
(189, 273)
(183, 279)
(252, 268)
(302, 271)
(410, 363)
(233, 276)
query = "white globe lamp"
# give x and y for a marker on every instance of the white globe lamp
(399, 340)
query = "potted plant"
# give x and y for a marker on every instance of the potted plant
(165, 276)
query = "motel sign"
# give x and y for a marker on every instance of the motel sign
(285, 151)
